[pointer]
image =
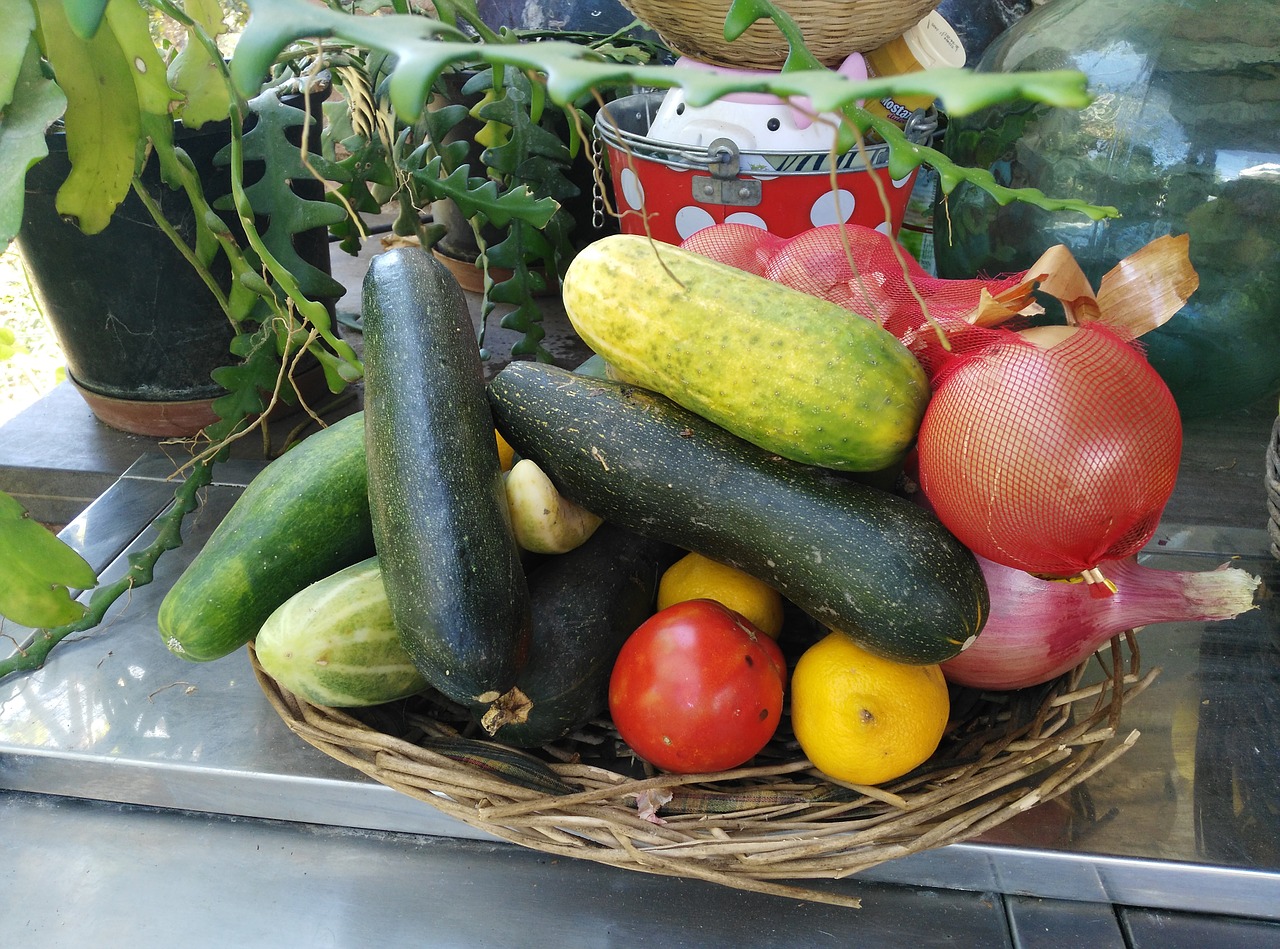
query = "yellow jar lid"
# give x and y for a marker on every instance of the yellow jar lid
(934, 43)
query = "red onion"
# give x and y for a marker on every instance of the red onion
(1039, 629)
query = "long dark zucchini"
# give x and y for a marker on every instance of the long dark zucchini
(855, 558)
(585, 604)
(449, 558)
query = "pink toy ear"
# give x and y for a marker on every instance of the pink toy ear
(854, 67)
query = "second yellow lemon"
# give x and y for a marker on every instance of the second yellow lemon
(506, 454)
(864, 719)
(695, 577)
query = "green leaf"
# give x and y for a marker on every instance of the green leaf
(103, 118)
(273, 196)
(19, 20)
(36, 101)
(85, 16)
(195, 75)
(424, 48)
(743, 13)
(128, 23)
(39, 571)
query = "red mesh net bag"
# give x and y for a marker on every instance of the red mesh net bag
(1051, 459)
(1047, 450)
(865, 271)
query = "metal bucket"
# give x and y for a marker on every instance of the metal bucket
(679, 189)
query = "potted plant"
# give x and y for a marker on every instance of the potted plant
(505, 174)
(421, 49)
(126, 103)
(146, 158)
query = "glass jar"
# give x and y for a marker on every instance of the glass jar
(1183, 136)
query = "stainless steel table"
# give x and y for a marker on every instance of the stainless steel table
(148, 800)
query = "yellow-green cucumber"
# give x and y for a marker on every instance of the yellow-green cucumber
(450, 561)
(856, 558)
(303, 517)
(793, 374)
(335, 643)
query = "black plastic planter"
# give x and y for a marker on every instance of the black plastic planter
(134, 321)
(140, 331)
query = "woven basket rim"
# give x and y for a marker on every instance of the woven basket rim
(1271, 481)
(832, 29)
(787, 822)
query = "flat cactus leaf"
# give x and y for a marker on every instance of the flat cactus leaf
(32, 102)
(481, 196)
(273, 196)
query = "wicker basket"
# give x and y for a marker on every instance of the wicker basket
(832, 29)
(751, 828)
(1272, 480)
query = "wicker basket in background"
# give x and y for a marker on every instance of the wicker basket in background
(753, 828)
(832, 29)
(1271, 478)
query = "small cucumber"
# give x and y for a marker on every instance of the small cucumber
(855, 558)
(449, 557)
(335, 643)
(585, 604)
(794, 374)
(303, 517)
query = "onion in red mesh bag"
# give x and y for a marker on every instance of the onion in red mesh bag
(1051, 458)
(744, 246)
(1047, 458)
(863, 270)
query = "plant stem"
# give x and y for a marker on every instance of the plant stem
(141, 572)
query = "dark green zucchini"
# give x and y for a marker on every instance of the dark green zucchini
(449, 558)
(302, 518)
(585, 604)
(855, 558)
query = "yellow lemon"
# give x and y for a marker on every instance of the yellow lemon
(506, 454)
(864, 719)
(695, 577)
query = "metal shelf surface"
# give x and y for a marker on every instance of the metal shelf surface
(1186, 821)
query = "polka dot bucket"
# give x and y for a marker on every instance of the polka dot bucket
(748, 159)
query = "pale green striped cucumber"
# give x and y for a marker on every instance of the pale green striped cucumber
(335, 643)
(794, 374)
(855, 558)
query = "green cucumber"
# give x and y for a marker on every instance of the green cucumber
(585, 604)
(303, 517)
(334, 643)
(449, 557)
(797, 375)
(855, 558)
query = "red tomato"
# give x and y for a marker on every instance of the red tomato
(697, 688)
